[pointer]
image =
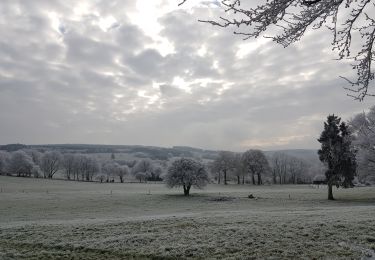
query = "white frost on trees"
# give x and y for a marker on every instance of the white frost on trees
(50, 163)
(187, 173)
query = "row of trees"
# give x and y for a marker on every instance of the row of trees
(280, 168)
(82, 167)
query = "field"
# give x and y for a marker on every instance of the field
(51, 219)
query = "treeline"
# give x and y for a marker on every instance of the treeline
(79, 167)
(254, 167)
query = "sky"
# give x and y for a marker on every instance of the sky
(148, 73)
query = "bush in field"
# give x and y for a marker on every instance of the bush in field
(20, 164)
(186, 173)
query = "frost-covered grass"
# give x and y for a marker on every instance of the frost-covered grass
(44, 219)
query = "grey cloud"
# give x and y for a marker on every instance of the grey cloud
(94, 86)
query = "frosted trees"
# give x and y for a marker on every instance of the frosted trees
(50, 163)
(4, 158)
(279, 163)
(109, 169)
(89, 167)
(224, 163)
(186, 173)
(256, 164)
(363, 128)
(337, 154)
(143, 170)
(121, 171)
(20, 164)
(349, 21)
(68, 165)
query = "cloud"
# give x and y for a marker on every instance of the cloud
(95, 72)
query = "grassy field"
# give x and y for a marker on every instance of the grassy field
(44, 219)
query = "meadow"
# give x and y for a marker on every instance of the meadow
(55, 219)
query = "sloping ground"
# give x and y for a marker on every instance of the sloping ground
(164, 225)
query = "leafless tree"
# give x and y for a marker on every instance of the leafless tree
(350, 21)
(186, 172)
(239, 168)
(4, 159)
(89, 167)
(255, 163)
(224, 163)
(121, 171)
(279, 164)
(68, 164)
(50, 163)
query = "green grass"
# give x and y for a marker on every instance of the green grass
(47, 219)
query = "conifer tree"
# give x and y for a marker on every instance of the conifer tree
(337, 153)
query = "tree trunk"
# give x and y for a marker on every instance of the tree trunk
(243, 179)
(218, 180)
(260, 182)
(225, 177)
(187, 190)
(330, 194)
(253, 178)
(238, 180)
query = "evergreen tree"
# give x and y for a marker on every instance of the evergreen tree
(337, 153)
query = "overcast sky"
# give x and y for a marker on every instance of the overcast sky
(146, 72)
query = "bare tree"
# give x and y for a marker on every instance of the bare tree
(121, 171)
(89, 167)
(348, 20)
(279, 164)
(4, 160)
(224, 163)
(50, 163)
(255, 163)
(186, 173)
(68, 164)
(239, 169)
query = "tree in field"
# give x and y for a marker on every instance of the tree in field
(143, 169)
(351, 22)
(68, 164)
(256, 164)
(279, 164)
(363, 128)
(186, 173)
(20, 164)
(89, 168)
(50, 163)
(4, 159)
(121, 171)
(224, 163)
(35, 155)
(110, 169)
(239, 170)
(337, 153)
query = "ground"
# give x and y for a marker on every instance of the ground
(51, 219)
